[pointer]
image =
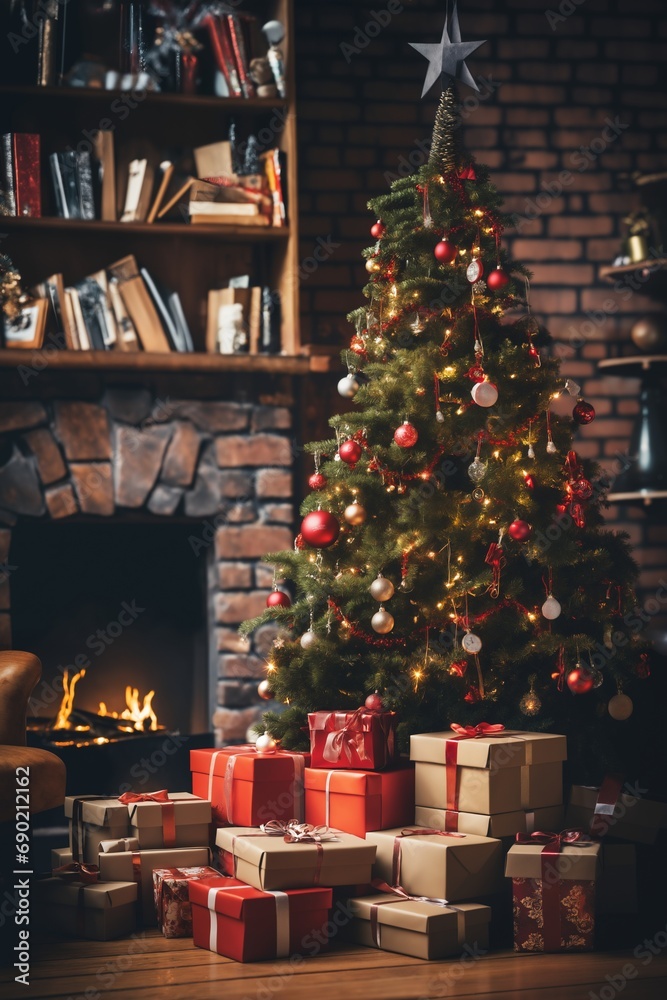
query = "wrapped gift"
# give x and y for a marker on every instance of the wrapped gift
(294, 856)
(617, 885)
(542, 785)
(93, 818)
(247, 788)
(498, 825)
(248, 925)
(423, 928)
(172, 902)
(553, 887)
(361, 739)
(358, 801)
(164, 819)
(137, 866)
(478, 769)
(613, 810)
(99, 911)
(426, 862)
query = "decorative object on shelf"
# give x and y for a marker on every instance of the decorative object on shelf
(638, 237)
(649, 333)
(274, 33)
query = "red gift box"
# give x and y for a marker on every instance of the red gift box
(359, 801)
(553, 888)
(248, 925)
(172, 903)
(247, 788)
(359, 739)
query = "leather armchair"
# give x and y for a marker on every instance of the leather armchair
(19, 674)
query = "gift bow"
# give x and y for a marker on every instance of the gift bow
(398, 890)
(481, 729)
(347, 739)
(78, 872)
(556, 841)
(128, 797)
(400, 894)
(294, 832)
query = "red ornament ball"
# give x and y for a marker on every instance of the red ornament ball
(497, 279)
(278, 599)
(580, 680)
(374, 703)
(350, 452)
(472, 695)
(581, 489)
(377, 230)
(317, 481)
(520, 530)
(583, 412)
(299, 542)
(445, 252)
(320, 529)
(406, 435)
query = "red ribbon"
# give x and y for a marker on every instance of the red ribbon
(550, 881)
(421, 832)
(166, 805)
(346, 740)
(399, 893)
(452, 755)
(495, 558)
(77, 872)
(603, 814)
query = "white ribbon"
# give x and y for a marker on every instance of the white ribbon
(282, 922)
(211, 769)
(213, 931)
(327, 793)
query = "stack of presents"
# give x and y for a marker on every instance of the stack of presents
(274, 854)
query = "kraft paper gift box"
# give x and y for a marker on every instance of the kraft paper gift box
(92, 819)
(542, 785)
(360, 740)
(359, 801)
(498, 825)
(453, 866)
(137, 866)
(99, 911)
(247, 788)
(234, 919)
(171, 898)
(554, 895)
(611, 811)
(418, 928)
(180, 819)
(269, 862)
(478, 771)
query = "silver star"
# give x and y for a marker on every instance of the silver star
(447, 58)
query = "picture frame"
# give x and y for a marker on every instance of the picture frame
(26, 330)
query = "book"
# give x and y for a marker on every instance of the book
(84, 181)
(183, 190)
(64, 171)
(8, 173)
(160, 303)
(249, 299)
(53, 289)
(270, 341)
(127, 336)
(176, 309)
(235, 29)
(202, 219)
(47, 49)
(273, 169)
(222, 53)
(139, 305)
(27, 181)
(135, 181)
(214, 160)
(103, 145)
(222, 208)
(90, 297)
(79, 323)
(68, 312)
(166, 172)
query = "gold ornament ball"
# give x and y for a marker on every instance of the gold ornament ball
(373, 265)
(530, 704)
(355, 514)
(265, 744)
(620, 707)
(382, 589)
(649, 334)
(382, 621)
(264, 690)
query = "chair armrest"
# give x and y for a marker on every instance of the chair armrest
(19, 674)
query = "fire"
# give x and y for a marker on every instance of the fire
(62, 718)
(135, 713)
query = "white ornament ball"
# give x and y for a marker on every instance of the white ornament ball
(308, 639)
(484, 393)
(382, 621)
(382, 589)
(620, 707)
(355, 514)
(471, 642)
(265, 744)
(551, 608)
(348, 386)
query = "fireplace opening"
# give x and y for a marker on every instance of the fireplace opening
(114, 611)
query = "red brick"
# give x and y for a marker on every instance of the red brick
(515, 182)
(229, 640)
(235, 450)
(628, 407)
(547, 249)
(248, 542)
(603, 250)
(637, 51)
(554, 301)
(50, 464)
(273, 483)
(528, 137)
(533, 159)
(481, 138)
(510, 48)
(576, 50)
(608, 428)
(549, 72)
(564, 225)
(594, 351)
(563, 274)
(596, 95)
(638, 76)
(521, 93)
(60, 500)
(279, 513)
(241, 665)
(233, 607)
(597, 73)
(234, 575)
(526, 116)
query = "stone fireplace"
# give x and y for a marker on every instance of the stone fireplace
(133, 484)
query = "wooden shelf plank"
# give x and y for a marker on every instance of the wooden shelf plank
(253, 105)
(95, 227)
(195, 363)
(609, 273)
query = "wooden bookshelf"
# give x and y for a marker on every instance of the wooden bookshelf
(188, 259)
(151, 363)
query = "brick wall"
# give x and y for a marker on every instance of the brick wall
(550, 85)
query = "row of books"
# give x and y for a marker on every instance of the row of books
(91, 185)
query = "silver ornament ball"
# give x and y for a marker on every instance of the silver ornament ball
(348, 386)
(265, 744)
(551, 608)
(382, 589)
(477, 470)
(308, 639)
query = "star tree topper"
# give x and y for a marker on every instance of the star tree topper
(447, 58)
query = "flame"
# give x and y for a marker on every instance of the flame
(135, 713)
(62, 718)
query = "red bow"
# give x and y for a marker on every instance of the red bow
(77, 872)
(495, 558)
(468, 174)
(128, 797)
(558, 840)
(481, 729)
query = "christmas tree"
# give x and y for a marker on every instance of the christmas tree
(452, 555)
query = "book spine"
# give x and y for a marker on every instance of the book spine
(8, 173)
(240, 54)
(27, 175)
(58, 186)
(84, 174)
(68, 172)
(48, 43)
(227, 55)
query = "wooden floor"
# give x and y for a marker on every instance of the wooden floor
(151, 968)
